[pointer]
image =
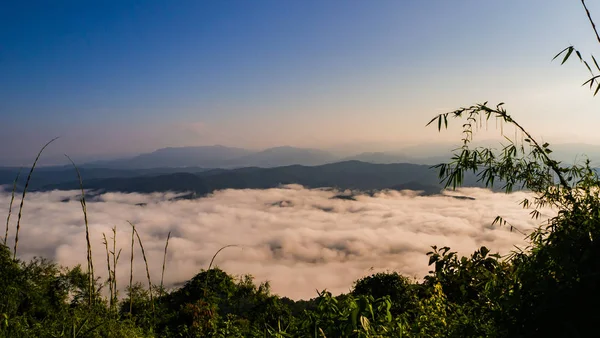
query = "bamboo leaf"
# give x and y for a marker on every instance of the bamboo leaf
(596, 62)
(430, 122)
(562, 51)
(588, 66)
(568, 55)
(591, 80)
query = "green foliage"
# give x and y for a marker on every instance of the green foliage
(39, 299)
(399, 288)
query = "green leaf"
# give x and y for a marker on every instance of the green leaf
(430, 122)
(567, 56)
(595, 62)
(562, 51)
(364, 322)
(497, 220)
(588, 66)
(591, 81)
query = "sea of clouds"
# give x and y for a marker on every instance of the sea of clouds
(301, 240)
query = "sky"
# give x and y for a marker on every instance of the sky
(114, 78)
(300, 240)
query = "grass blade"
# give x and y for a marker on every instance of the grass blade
(211, 263)
(215, 255)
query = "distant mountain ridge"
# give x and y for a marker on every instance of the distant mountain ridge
(353, 175)
(203, 156)
(393, 157)
(284, 156)
(219, 156)
(228, 158)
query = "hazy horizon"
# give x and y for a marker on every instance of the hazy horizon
(53, 155)
(420, 151)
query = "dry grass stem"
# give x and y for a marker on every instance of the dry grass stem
(131, 269)
(23, 196)
(147, 269)
(110, 284)
(162, 276)
(12, 199)
(115, 261)
(87, 232)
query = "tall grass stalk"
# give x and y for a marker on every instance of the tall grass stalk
(12, 199)
(211, 263)
(87, 233)
(131, 269)
(162, 275)
(110, 283)
(218, 251)
(115, 256)
(147, 269)
(23, 196)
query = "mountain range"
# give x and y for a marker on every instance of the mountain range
(229, 157)
(201, 170)
(219, 156)
(353, 175)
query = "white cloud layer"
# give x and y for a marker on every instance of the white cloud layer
(299, 239)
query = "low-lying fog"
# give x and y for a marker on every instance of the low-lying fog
(301, 240)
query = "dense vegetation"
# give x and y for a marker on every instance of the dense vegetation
(547, 289)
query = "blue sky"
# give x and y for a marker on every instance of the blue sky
(120, 77)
